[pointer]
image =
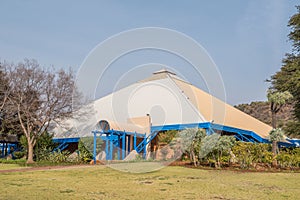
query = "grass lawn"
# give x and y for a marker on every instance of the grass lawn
(100, 182)
(9, 166)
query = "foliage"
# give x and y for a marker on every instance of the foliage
(214, 147)
(21, 162)
(249, 154)
(289, 158)
(23, 143)
(43, 148)
(86, 148)
(167, 136)
(18, 154)
(276, 135)
(288, 78)
(277, 100)
(292, 129)
(294, 35)
(190, 142)
(58, 156)
(84, 154)
(36, 98)
(8, 121)
(261, 111)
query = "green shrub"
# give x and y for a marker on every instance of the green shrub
(167, 136)
(18, 154)
(21, 162)
(243, 154)
(58, 157)
(43, 148)
(289, 158)
(215, 147)
(267, 157)
(85, 155)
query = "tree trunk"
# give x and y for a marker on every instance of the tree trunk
(274, 150)
(274, 124)
(30, 153)
(194, 158)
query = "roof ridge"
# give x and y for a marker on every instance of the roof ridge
(187, 98)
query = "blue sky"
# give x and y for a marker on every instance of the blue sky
(246, 39)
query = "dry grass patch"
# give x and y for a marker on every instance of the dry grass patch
(100, 182)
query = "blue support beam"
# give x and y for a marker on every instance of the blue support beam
(3, 148)
(123, 146)
(121, 138)
(111, 148)
(106, 149)
(145, 146)
(95, 147)
(66, 140)
(128, 143)
(134, 141)
(244, 135)
(118, 148)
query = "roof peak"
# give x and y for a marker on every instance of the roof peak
(164, 71)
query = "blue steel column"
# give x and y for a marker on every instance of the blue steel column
(128, 148)
(118, 149)
(134, 141)
(106, 147)
(111, 147)
(5, 149)
(2, 149)
(95, 145)
(145, 145)
(8, 149)
(123, 146)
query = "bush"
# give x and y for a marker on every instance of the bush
(43, 148)
(216, 149)
(21, 162)
(58, 157)
(167, 136)
(247, 154)
(18, 154)
(289, 158)
(84, 154)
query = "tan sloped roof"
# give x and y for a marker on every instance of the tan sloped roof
(169, 100)
(219, 112)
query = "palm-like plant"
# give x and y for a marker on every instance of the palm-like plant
(277, 100)
(276, 135)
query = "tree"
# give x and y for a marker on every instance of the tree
(277, 100)
(3, 93)
(191, 140)
(276, 135)
(43, 147)
(288, 78)
(294, 35)
(216, 146)
(8, 120)
(39, 97)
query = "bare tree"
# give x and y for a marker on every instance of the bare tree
(38, 97)
(4, 89)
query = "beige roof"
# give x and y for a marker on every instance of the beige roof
(219, 112)
(169, 100)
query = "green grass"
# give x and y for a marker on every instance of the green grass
(22, 163)
(100, 182)
(9, 166)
